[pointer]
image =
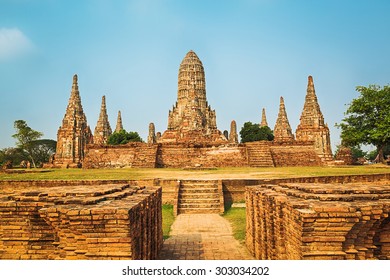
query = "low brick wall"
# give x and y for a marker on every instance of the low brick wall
(294, 154)
(128, 155)
(319, 221)
(234, 189)
(114, 221)
(186, 155)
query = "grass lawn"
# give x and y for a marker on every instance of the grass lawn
(167, 219)
(170, 173)
(237, 218)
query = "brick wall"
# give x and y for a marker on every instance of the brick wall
(186, 155)
(294, 154)
(114, 221)
(319, 221)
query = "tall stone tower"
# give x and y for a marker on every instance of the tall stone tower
(119, 125)
(282, 130)
(103, 128)
(152, 134)
(263, 119)
(74, 133)
(233, 136)
(191, 119)
(312, 126)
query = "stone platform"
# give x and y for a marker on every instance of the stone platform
(112, 221)
(319, 221)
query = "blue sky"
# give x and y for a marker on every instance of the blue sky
(253, 51)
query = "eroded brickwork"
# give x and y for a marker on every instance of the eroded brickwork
(282, 130)
(80, 222)
(191, 118)
(119, 125)
(74, 133)
(319, 221)
(263, 118)
(103, 128)
(233, 136)
(312, 126)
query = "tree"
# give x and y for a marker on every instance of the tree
(15, 155)
(123, 137)
(367, 119)
(253, 132)
(43, 149)
(25, 137)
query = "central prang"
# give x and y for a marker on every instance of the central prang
(192, 119)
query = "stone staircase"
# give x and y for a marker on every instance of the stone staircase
(259, 154)
(200, 196)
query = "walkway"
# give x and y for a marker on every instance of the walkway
(202, 237)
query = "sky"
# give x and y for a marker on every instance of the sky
(253, 52)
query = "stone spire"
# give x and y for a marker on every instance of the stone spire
(119, 125)
(74, 133)
(263, 119)
(233, 137)
(312, 127)
(103, 128)
(311, 114)
(152, 134)
(282, 130)
(191, 118)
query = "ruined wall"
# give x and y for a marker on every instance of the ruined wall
(183, 155)
(113, 221)
(131, 155)
(319, 221)
(179, 155)
(234, 189)
(294, 154)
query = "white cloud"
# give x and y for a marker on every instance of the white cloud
(13, 43)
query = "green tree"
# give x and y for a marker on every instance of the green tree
(25, 137)
(15, 155)
(253, 132)
(367, 119)
(123, 137)
(43, 149)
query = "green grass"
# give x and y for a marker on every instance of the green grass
(237, 219)
(170, 173)
(167, 219)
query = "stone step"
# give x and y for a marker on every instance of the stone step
(198, 211)
(188, 185)
(198, 201)
(199, 196)
(199, 205)
(198, 190)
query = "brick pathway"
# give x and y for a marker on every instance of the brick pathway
(202, 237)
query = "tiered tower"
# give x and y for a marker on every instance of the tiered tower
(312, 126)
(74, 133)
(263, 119)
(282, 130)
(191, 119)
(103, 128)
(119, 125)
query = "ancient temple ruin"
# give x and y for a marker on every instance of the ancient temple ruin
(103, 128)
(74, 133)
(312, 126)
(191, 118)
(282, 130)
(192, 138)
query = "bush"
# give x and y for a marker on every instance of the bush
(123, 137)
(253, 132)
